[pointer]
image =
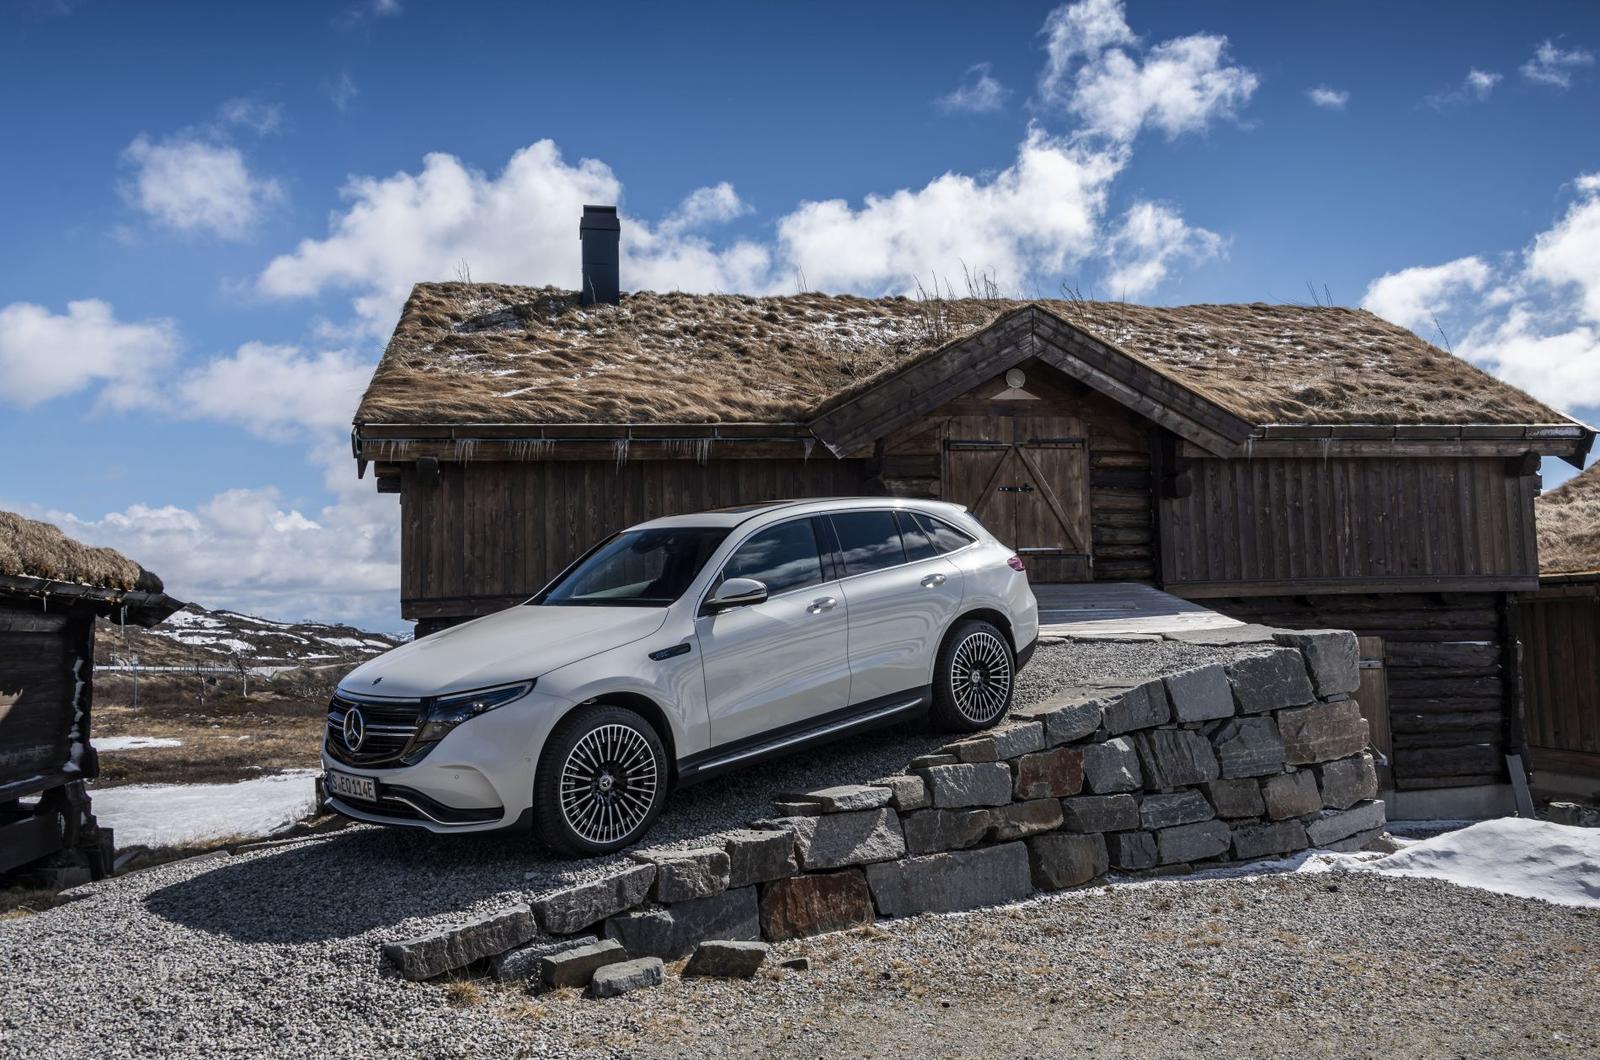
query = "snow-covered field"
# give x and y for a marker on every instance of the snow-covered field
(174, 814)
(134, 743)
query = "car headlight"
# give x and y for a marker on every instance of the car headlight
(449, 711)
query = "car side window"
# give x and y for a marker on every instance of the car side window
(784, 557)
(945, 537)
(919, 543)
(868, 541)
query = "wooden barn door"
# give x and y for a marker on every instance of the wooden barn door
(1373, 698)
(1027, 479)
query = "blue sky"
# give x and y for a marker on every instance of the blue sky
(212, 210)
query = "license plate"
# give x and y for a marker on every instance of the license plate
(350, 786)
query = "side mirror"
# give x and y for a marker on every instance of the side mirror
(736, 592)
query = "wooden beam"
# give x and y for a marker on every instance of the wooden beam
(1320, 586)
(1312, 449)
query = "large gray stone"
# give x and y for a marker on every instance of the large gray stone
(1051, 774)
(1264, 840)
(1291, 795)
(1132, 851)
(1070, 714)
(723, 959)
(815, 904)
(1347, 781)
(1100, 813)
(756, 855)
(1058, 860)
(1248, 747)
(999, 744)
(844, 798)
(930, 831)
(1322, 732)
(1225, 636)
(1175, 758)
(1019, 819)
(523, 962)
(1331, 826)
(569, 911)
(1333, 658)
(624, 977)
(1141, 707)
(674, 931)
(1271, 681)
(567, 968)
(1112, 766)
(1237, 798)
(1200, 694)
(1180, 807)
(682, 874)
(949, 883)
(1192, 842)
(835, 840)
(437, 952)
(906, 792)
(969, 784)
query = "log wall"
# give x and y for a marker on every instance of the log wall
(1450, 706)
(1561, 676)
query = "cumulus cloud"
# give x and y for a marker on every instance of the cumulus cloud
(1474, 88)
(1555, 66)
(1328, 98)
(275, 390)
(46, 355)
(1177, 86)
(1536, 320)
(1150, 241)
(980, 92)
(191, 184)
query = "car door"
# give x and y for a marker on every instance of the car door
(782, 662)
(901, 596)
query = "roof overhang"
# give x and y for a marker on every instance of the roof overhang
(122, 606)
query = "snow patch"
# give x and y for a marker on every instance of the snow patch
(1513, 855)
(134, 743)
(170, 814)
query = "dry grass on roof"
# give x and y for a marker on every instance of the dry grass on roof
(31, 549)
(1569, 525)
(486, 353)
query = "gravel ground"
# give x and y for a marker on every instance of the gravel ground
(274, 951)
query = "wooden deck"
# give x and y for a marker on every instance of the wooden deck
(1103, 608)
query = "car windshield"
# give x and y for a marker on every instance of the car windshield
(636, 568)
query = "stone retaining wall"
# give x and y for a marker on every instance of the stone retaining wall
(1259, 756)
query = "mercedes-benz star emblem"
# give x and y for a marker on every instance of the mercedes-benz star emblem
(355, 729)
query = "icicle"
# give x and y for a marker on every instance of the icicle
(531, 448)
(619, 449)
(465, 447)
(808, 444)
(702, 450)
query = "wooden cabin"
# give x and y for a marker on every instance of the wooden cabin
(1306, 465)
(51, 591)
(1561, 641)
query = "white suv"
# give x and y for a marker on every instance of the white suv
(675, 650)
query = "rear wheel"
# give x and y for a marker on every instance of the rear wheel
(973, 677)
(601, 783)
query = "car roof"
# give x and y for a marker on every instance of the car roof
(735, 516)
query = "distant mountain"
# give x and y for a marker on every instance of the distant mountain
(195, 636)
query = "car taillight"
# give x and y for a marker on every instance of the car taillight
(1015, 563)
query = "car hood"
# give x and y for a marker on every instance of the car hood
(511, 645)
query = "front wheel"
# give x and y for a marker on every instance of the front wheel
(601, 783)
(973, 677)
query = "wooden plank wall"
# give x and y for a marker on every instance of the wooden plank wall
(37, 710)
(487, 534)
(1357, 520)
(1561, 678)
(1448, 703)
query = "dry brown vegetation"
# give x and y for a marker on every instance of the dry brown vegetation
(494, 353)
(31, 549)
(1569, 525)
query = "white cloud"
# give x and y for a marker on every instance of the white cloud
(979, 93)
(1552, 65)
(1414, 297)
(273, 390)
(46, 355)
(705, 206)
(260, 118)
(342, 92)
(1151, 240)
(1567, 256)
(1328, 98)
(1474, 88)
(365, 10)
(1177, 86)
(194, 185)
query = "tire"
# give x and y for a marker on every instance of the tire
(577, 810)
(974, 677)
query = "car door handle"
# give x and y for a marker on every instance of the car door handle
(826, 603)
(933, 581)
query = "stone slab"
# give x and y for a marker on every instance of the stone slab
(1268, 839)
(1333, 658)
(1201, 694)
(1291, 795)
(1270, 681)
(1248, 747)
(1347, 781)
(951, 882)
(1132, 851)
(674, 931)
(969, 784)
(930, 831)
(1100, 813)
(757, 855)
(1175, 758)
(835, 840)
(1059, 860)
(568, 911)
(682, 874)
(1237, 798)
(725, 959)
(1112, 766)
(1019, 819)
(574, 967)
(614, 980)
(1141, 707)
(1331, 826)
(815, 904)
(906, 792)
(1055, 773)
(1322, 732)
(1193, 842)
(1180, 807)
(425, 956)
(523, 962)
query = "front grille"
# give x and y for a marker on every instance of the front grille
(390, 726)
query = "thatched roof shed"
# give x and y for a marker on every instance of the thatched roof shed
(1569, 526)
(38, 561)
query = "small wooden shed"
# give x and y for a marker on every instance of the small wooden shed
(1307, 465)
(52, 589)
(1561, 639)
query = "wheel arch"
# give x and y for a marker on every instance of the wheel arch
(985, 614)
(646, 708)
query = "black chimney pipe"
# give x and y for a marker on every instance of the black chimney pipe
(601, 234)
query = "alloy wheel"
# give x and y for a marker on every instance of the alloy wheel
(609, 783)
(980, 677)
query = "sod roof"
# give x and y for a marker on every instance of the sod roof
(1569, 525)
(32, 549)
